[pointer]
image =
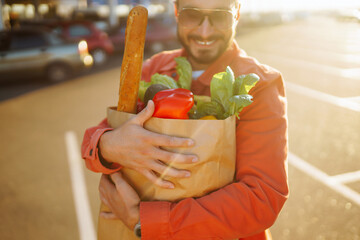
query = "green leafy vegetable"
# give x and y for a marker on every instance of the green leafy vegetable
(164, 80)
(231, 94)
(184, 70)
(237, 103)
(221, 87)
(209, 108)
(143, 86)
(201, 98)
(244, 83)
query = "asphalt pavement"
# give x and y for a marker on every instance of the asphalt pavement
(319, 59)
(42, 192)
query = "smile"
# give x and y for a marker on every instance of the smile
(205, 43)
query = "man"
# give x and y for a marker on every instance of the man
(244, 209)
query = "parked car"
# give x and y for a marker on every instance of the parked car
(99, 44)
(160, 35)
(36, 52)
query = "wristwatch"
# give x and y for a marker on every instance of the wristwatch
(137, 230)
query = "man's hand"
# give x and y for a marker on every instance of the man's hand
(136, 148)
(121, 198)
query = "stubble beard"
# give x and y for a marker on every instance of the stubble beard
(206, 56)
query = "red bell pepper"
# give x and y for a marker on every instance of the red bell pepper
(173, 103)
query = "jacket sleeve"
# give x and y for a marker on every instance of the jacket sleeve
(252, 203)
(89, 147)
(90, 150)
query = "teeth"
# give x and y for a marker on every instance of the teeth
(205, 43)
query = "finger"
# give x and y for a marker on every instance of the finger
(108, 215)
(156, 180)
(102, 184)
(168, 141)
(103, 199)
(171, 157)
(122, 186)
(165, 170)
(105, 184)
(145, 114)
(117, 179)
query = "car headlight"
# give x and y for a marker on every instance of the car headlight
(88, 60)
(83, 47)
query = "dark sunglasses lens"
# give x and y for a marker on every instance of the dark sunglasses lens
(190, 17)
(193, 18)
(222, 19)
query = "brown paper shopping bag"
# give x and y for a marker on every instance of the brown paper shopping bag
(214, 145)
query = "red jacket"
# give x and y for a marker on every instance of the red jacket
(250, 205)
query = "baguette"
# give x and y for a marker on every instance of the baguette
(132, 60)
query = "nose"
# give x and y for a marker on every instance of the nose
(206, 28)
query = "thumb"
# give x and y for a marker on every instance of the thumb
(145, 114)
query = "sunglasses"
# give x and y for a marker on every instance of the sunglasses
(219, 18)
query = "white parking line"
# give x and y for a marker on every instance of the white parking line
(82, 207)
(354, 99)
(314, 53)
(322, 177)
(349, 73)
(347, 177)
(348, 103)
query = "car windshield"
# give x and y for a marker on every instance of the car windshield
(27, 39)
(55, 39)
(79, 30)
(102, 25)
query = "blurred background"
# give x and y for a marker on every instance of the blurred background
(59, 70)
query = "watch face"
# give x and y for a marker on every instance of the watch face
(137, 230)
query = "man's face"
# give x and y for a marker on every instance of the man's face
(206, 41)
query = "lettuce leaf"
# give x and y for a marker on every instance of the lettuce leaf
(208, 109)
(143, 86)
(221, 87)
(237, 103)
(244, 83)
(164, 80)
(230, 93)
(200, 98)
(184, 70)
